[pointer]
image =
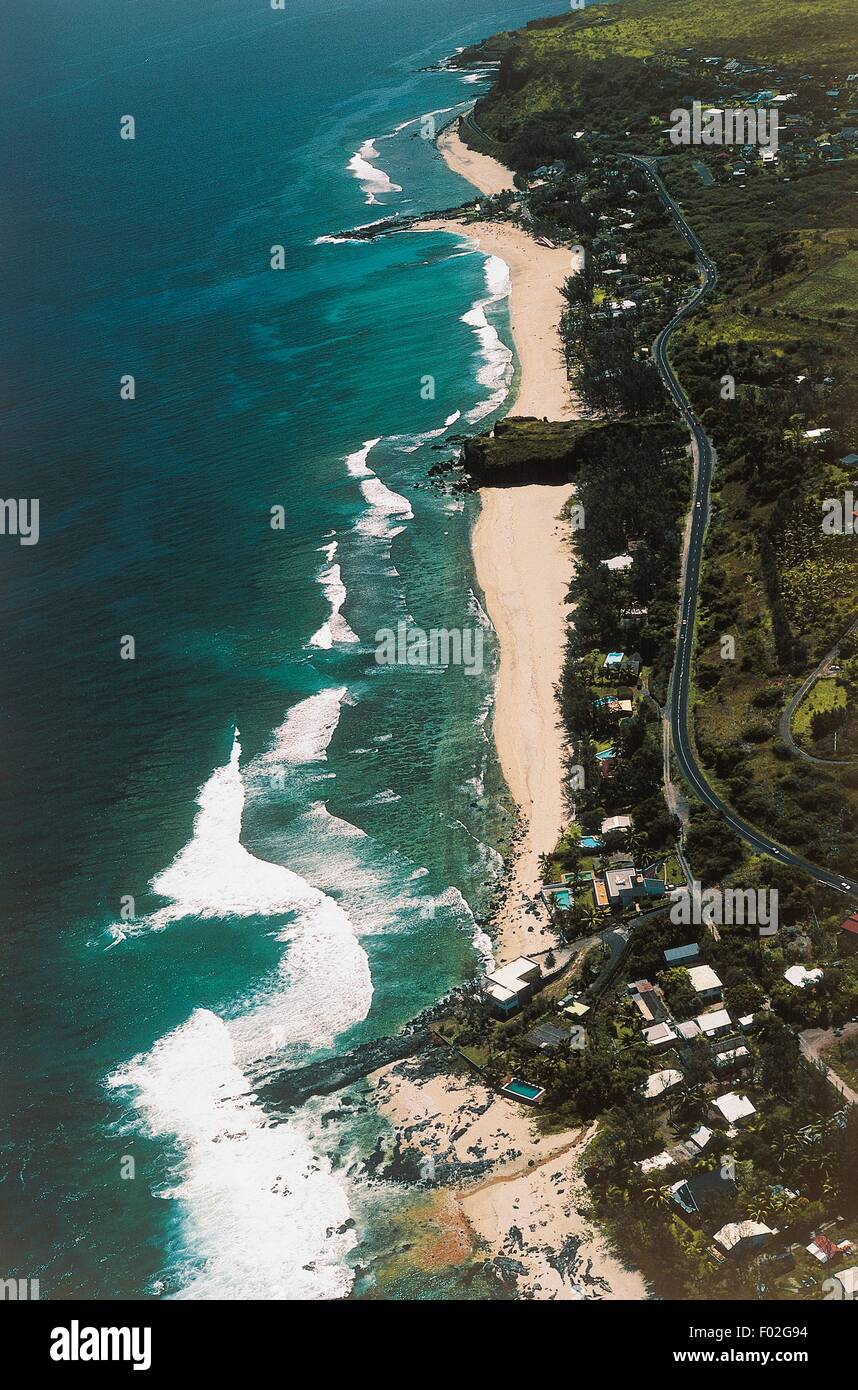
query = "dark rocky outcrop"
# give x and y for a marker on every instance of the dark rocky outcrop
(291, 1088)
(525, 450)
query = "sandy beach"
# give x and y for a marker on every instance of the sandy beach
(523, 560)
(526, 1204)
(485, 174)
(505, 1191)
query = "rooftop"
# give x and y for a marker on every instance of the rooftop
(734, 1107)
(711, 1023)
(661, 1081)
(659, 1033)
(703, 978)
(736, 1231)
(680, 953)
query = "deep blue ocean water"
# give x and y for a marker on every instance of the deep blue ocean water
(305, 835)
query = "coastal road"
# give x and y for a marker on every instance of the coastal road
(681, 679)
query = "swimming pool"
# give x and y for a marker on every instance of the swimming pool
(522, 1090)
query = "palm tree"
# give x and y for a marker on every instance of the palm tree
(658, 1197)
(616, 1196)
(760, 1205)
(786, 1205)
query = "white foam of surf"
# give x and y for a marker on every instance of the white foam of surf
(335, 629)
(261, 1211)
(496, 371)
(384, 798)
(415, 440)
(452, 898)
(214, 876)
(372, 180)
(356, 463)
(308, 728)
(383, 503)
(351, 240)
(262, 1214)
(478, 611)
(418, 120)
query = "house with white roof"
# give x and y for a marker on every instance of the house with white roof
(701, 1136)
(739, 1238)
(847, 1279)
(661, 1081)
(616, 823)
(659, 1035)
(732, 1107)
(511, 986)
(714, 1023)
(704, 982)
(688, 1030)
(731, 1052)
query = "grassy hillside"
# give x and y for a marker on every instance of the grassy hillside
(545, 67)
(586, 90)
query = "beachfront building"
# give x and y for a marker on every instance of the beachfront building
(626, 885)
(613, 705)
(511, 986)
(612, 823)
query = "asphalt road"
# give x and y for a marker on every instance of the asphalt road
(802, 692)
(680, 686)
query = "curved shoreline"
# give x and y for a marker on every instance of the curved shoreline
(531, 1206)
(523, 559)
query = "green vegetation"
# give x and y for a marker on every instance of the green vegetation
(769, 366)
(578, 63)
(524, 449)
(825, 697)
(778, 330)
(829, 291)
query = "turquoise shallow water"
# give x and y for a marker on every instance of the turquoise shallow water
(305, 835)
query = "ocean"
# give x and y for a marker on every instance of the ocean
(233, 841)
